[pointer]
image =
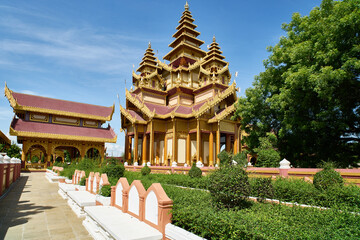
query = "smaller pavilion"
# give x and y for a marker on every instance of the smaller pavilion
(51, 126)
(4, 140)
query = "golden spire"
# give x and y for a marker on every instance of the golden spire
(149, 45)
(185, 40)
(214, 39)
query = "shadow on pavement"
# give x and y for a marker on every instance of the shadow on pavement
(14, 212)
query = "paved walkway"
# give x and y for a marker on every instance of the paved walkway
(34, 210)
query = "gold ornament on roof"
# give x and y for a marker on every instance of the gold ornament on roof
(186, 6)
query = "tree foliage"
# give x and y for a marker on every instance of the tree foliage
(14, 151)
(309, 93)
(268, 156)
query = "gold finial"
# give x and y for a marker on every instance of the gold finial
(186, 6)
(149, 44)
(214, 39)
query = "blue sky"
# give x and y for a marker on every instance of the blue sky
(85, 50)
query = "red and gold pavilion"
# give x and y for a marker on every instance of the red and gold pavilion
(53, 125)
(180, 111)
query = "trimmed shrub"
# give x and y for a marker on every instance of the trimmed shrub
(262, 188)
(145, 170)
(195, 172)
(327, 178)
(82, 181)
(114, 171)
(259, 221)
(267, 155)
(87, 163)
(241, 158)
(225, 158)
(105, 191)
(68, 172)
(110, 161)
(229, 186)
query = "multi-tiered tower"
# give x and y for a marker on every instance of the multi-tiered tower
(180, 111)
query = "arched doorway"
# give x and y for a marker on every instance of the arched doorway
(93, 153)
(36, 156)
(66, 154)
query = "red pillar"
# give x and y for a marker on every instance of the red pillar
(2, 173)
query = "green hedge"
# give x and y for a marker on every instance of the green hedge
(297, 190)
(194, 211)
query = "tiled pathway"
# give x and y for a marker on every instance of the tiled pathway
(34, 210)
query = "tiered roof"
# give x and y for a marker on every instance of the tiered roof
(148, 61)
(182, 84)
(23, 128)
(20, 127)
(186, 45)
(214, 54)
(27, 102)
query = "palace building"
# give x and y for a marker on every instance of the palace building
(181, 111)
(47, 127)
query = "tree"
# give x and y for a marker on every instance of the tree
(67, 157)
(267, 154)
(14, 151)
(309, 93)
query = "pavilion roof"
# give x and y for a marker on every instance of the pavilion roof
(23, 128)
(26, 102)
(5, 138)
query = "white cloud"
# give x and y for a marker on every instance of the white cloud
(30, 92)
(82, 48)
(114, 150)
(6, 113)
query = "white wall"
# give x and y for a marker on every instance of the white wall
(151, 208)
(193, 148)
(206, 152)
(134, 200)
(181, 151)
(169, 147)
(161, 151)
(118, 194)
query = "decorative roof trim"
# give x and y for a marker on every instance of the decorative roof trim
(5, 138)
(223, 114)
(218, 98)
(202, 70)
(129, 117)
(16, 106)
(13, 132)
(140, 105)
(182, 44)
(164, 66)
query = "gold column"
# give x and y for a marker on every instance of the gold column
(126, 146)
(102, 152)
(82, 152)
(218, 144)
(136, 142)
(236, 147)
(144, 153)
(198, 141)
(211, 149)
(165, 151)
(49, 153)
(188, 150)
(228, 142)
(23, 155)
(151, 146)
(129, 149)
(157, 151)
(174, 143)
